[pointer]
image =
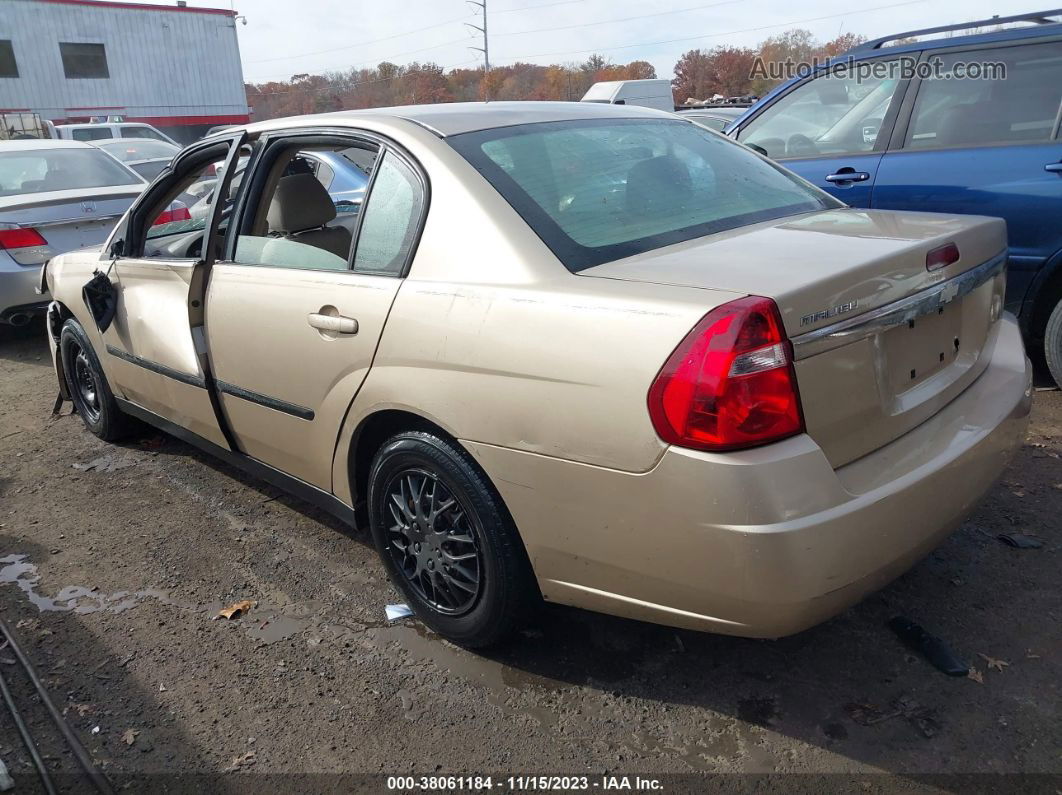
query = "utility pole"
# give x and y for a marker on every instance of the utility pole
(484, 49)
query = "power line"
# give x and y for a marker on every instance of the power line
(532, 8)
(621, 19)
(713, 35)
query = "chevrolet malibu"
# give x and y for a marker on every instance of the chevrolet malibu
(591, 354)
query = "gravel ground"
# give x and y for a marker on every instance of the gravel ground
(114, 561)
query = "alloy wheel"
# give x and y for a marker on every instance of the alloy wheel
(433, 541)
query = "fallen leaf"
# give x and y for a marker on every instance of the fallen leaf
(999, 665)
(129, 736)
(236, 609)
(976, 675)
(84, 709)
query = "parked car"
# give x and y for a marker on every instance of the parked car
(981, 146)
(725, 402)
(54, 196)
(146, 156)
(717, 118)
(106, 130)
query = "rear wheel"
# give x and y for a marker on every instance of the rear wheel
(1053, 344)
(447, 540)
(88, 386)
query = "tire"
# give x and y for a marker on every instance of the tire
(88, 386)
(462, 569)
(1053, 343)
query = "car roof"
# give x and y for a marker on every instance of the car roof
(455, 118)
(102, 141)
(42, 143)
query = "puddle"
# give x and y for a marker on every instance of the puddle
(266, 624)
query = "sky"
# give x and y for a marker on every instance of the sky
(286, 37)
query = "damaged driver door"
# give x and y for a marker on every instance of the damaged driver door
(161, 257)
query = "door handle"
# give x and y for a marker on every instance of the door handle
(337, 324)
(1054, 167)
(847, 176)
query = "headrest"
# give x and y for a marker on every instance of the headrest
(658, 185)
(299, 203)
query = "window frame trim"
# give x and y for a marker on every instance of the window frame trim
(261, 162)
(151, 200)
(106, 61)
(14, 61)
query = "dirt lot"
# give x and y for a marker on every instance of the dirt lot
(113, 561)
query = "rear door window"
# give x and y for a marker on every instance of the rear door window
(1014, 98)
(391, 215)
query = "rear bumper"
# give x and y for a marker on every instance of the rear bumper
(18, 285)
(770, 541)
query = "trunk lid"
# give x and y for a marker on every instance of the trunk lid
(70, 219)
(881, 343)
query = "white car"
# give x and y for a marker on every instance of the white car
(99, 132)
(55, 196)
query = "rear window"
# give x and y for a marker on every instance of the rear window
(600, 190)
(140, 150)
(43, 170)
(90, 133)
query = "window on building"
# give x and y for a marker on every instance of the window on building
(84, 60)
(8, 67)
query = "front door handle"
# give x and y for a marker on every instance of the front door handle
(1054, 167)
(849, 175)
(337, 324)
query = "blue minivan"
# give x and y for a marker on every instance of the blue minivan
(945, 119)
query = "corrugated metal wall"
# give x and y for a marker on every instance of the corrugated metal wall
(163, 63)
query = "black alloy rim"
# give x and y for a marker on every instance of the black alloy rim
(433, 541)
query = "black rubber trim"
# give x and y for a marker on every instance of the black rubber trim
(293, 409)
(252, 466)
(155, 367)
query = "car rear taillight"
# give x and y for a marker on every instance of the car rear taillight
(25, 245)
(730, 384)
(177, 211)
(942, 257)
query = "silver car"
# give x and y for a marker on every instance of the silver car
(55, 196)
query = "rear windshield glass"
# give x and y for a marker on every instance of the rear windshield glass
(597, 191)
(43, 170)
(139, 150)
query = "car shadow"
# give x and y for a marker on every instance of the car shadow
(99, 700)
(25, 344)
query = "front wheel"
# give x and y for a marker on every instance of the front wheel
(88, 386)
(447, 540)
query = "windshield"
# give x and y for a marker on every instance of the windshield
(598, 191)
(140, 150)
(43, 170)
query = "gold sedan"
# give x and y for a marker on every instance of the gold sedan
(592, 354)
